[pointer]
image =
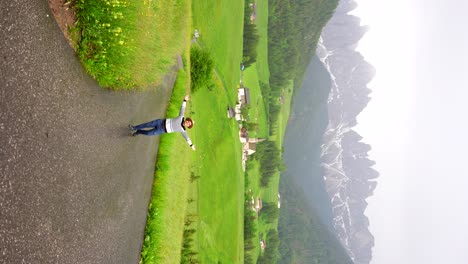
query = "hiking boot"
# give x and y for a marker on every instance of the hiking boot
(131, 127)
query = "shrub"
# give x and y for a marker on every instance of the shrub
(201, 68)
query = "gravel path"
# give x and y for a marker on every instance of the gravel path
(74, 187)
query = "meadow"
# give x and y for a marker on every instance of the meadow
(219, 192)
(209, 187)
(220, 24)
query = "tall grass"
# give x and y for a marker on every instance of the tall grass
(125, 43)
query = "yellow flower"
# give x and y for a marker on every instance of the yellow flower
(121, 42)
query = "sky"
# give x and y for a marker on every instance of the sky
(418, 130)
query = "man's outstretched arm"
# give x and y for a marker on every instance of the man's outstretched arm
(187, 138)
(184, 104)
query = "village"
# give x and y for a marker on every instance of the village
(248, 143)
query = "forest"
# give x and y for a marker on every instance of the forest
(304, 239)
(294, 28)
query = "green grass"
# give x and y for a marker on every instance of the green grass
(221, 25)
(220, 189)
(126, 44)
(166, 213)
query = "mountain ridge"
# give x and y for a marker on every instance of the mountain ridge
(348, 173)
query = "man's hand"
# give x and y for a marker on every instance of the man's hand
(186, 98)
(193, 147)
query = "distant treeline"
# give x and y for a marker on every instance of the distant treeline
(304, 239)
(294, 28)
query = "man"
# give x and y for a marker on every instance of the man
(169, 125)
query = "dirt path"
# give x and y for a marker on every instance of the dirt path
(74, 188)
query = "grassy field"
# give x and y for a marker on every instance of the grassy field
(125, 44)
(220, 189)
(221, 25)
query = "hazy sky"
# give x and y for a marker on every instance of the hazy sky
(417, 125)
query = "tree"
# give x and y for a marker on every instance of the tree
(269, 212)
(251, 126)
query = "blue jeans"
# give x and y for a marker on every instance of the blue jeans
(156, 125)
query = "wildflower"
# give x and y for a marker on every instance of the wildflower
(121, 42)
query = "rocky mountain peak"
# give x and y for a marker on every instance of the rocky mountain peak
(349, 176)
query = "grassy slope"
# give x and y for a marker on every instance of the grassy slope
(220, 189)
(220, 24)
(124, 43)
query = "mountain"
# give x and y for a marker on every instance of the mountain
(306, 219)
(348, 173)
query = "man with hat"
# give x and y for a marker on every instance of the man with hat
(169, 125)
